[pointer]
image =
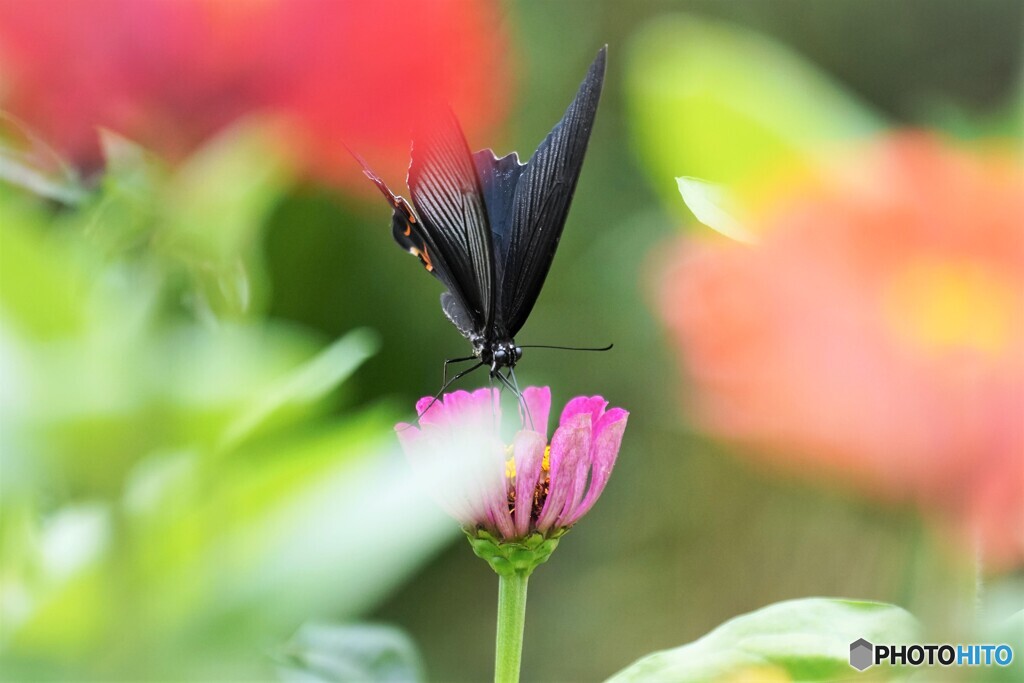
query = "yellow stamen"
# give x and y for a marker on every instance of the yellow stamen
(510, 463)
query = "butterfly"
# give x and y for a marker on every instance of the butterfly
(488, 227)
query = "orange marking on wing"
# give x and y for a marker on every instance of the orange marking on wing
(423, 256)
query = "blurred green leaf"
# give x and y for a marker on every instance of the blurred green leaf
(714, 207)
(1001, 621)
(198, 225)
(174, 487)
(126, 211)
(29, 163)
(800, 640)
(715, 101)
(1009, 631)
(334, 653)
(303, 385)
(129, 166)
(41, 281)
(219, 200)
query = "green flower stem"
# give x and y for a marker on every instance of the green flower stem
(511, 621)
(513, 562)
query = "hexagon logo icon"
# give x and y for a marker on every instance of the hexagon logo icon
(861, 654)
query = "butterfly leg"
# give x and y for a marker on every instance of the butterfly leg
(522, 401)
(445, 386)
(505, 381)
(444, 371)
(494, 404)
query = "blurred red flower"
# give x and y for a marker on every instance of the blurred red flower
(875, 334)
(169, 73)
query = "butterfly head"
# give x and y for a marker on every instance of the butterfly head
(503, 354)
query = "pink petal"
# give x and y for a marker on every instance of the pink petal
(408, 436)
(603, 452)
(538, 406)
(577, 485)
(570, 443)
(609, 418)
(461, 409)
(481, 481)
(462, 425)
(496, 498)
(528, 448)
(403, 427)
(482, 408)
(593, 405)
(435, 414)
(425, 454)
(457, 407)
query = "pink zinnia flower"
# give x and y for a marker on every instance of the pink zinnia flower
(169, 74)
(525, 487)
(874, 335)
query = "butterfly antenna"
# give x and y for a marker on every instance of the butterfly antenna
(568, 348)
(441, 391)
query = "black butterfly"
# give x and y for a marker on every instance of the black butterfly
(488, 228)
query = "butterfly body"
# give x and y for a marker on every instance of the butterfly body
(488, 227)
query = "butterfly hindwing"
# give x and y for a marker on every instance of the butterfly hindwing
(528, 204)
(446, 192)
(405, 226)
(456, 313)
(409, 233)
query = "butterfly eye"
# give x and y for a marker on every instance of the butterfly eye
(500, 355)
(518, 351)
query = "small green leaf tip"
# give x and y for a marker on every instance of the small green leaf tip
(510, 558)
(715, 207)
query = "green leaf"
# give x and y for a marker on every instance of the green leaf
(304, 385)
(42, 282)
(800, 640)
(218, 202)
(334, 653)
(715, 101)
(714, 207)
(126, 212)
(128, 165)
(1002, 622)
(29, 163)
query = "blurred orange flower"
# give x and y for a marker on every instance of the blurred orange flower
(169, 73)
(875, 334)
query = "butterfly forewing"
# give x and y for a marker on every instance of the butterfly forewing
(488, 227)
(447, 196)
(528, 234)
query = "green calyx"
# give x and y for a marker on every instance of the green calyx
(510, 558)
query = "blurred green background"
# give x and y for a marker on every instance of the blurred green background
(193, 466)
